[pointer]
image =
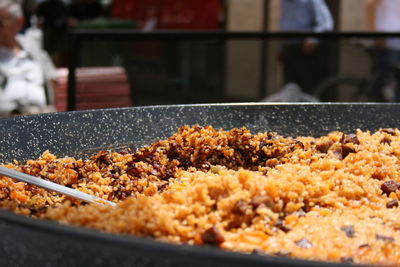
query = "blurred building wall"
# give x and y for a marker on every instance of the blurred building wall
(243, 58)
(274, 12)
(274, 66)
(352, 16)
(354, 59)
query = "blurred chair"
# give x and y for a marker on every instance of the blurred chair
(96, 87)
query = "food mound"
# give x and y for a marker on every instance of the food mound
(332, 198)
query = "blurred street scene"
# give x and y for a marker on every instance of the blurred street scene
(114, 53)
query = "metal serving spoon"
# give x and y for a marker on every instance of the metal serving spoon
(53, 186)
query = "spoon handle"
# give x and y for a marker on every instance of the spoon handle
(53, 186)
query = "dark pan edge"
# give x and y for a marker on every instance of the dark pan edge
(198, 253)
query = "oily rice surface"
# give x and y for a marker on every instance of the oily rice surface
(332, 198)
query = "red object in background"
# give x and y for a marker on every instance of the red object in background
(97, 87)
(123, 9)
(137, 10)
(194, 14)
(170, 14)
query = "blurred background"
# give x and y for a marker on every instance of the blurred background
(156, 52)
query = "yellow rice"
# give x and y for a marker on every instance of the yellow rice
(331, 198)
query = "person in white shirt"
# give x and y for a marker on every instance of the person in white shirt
(384, 16)
(22, 79)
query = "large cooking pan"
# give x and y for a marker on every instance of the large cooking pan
(28, 242)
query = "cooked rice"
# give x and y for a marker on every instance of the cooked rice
(332, 198)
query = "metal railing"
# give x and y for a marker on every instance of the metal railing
(78, 37)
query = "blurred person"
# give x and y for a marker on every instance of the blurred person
(24, 67)
(303, 60)
(384, 15)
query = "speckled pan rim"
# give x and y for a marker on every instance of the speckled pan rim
(218, 104)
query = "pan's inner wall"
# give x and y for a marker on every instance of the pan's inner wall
(68, 134)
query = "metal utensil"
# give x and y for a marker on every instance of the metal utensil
(53, 186)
